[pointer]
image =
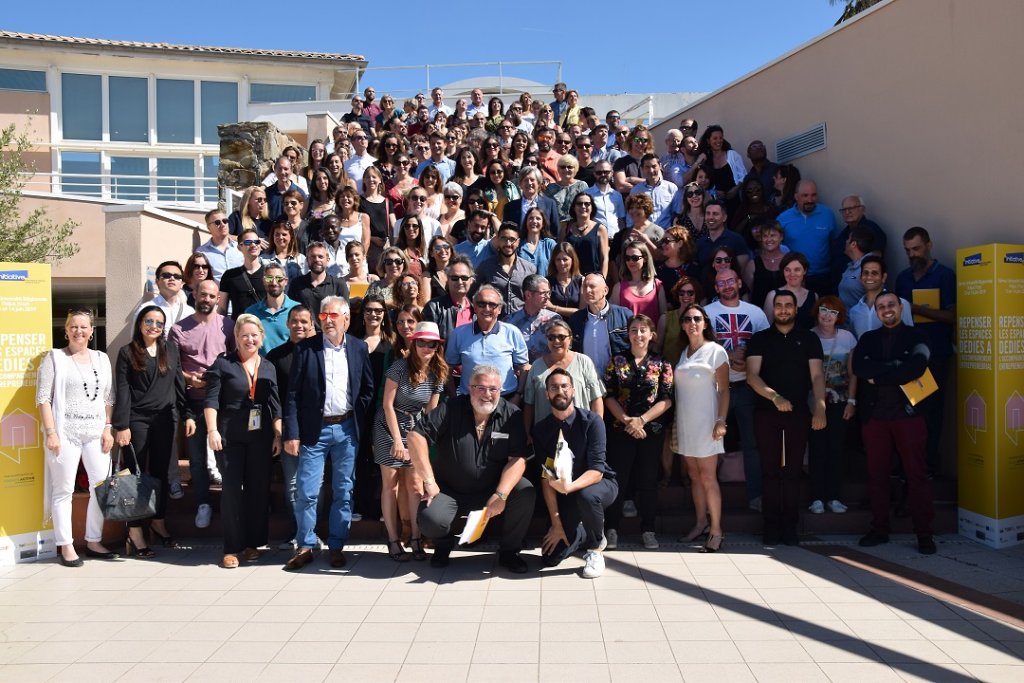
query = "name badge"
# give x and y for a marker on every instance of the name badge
(255, 418)
(498, 435)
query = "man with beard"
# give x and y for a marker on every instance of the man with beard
(200, 338)
(584, 154)
(609, 209)
(930, 287)
(273, 310)
(480, 460)
(370, 106)
(546, 155)
(330, 389)
(734, 322)
(661, 191)
(316, 285)
(576, 507)
(491, 342)
(454, 308)
(715, 220)
(476, 247)
(862, 315)
(784, 365)
(884, 359)
(506, 271)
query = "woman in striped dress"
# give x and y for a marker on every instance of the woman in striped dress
(412, 387)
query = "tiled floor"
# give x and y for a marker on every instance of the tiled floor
(746, 614)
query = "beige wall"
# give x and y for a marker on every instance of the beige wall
(29, 111)
(138, 240)
(90, 260)
(923, 106)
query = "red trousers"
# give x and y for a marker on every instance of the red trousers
(909, 437)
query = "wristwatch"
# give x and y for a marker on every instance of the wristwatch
(501, 496)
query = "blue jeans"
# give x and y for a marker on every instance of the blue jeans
(197, 457)
(741, 404)
(339, 442)
(289, 468)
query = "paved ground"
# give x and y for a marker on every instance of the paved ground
(785, 614)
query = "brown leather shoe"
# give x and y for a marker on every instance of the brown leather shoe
(338, 559)
(300, 559)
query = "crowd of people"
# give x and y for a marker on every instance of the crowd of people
(412, 316)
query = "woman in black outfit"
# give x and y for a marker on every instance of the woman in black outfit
(243, 419)
(150, 397)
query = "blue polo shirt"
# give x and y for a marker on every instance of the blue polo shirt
(477, 253)
(811, 235)
(275, 324)
(938, 276)
(503, 347)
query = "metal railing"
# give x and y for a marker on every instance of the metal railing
(467, 71)
(194, 191)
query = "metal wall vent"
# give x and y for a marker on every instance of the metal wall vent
(801, 144)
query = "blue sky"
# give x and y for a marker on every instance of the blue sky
(696, 46)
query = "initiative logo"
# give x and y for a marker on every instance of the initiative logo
(1015, 257)
(13, 275)
(972, 260)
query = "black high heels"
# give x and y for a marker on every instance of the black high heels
(166, 541)
(143, 553)
(696, 535)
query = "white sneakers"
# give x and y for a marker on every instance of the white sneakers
(611, 539)
(818, 508)
(629, 509)
(594, 564)
(649, 540)
(203, 516)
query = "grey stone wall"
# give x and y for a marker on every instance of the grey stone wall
(248, 151)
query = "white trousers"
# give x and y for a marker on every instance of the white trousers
(62, 478)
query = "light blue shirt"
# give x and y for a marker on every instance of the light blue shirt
(811, 235)
(532, 328)
(864, 319)
(662, 195)
(850, 288)
(477, 253)
(674, 167)
(221, 261)
(446, 167)
(503, 347)
(275, 323)
(608, 208)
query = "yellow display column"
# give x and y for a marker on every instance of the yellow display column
(25, 337)
(990, 396)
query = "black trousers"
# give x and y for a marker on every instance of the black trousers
(934, 408)
(586, 506)
(245, 497)
(780, 500)
(827, 455)
(152, 440)
(641, 459)
(437, 520)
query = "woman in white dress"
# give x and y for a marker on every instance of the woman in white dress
(702, 394)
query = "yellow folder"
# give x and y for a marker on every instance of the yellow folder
(920, 388)
(926, 297)
(476, 522)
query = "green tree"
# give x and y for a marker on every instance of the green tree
(33, 238)
(852, 8)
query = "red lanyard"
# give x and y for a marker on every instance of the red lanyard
(252, 378)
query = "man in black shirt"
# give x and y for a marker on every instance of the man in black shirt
(884, 359)
(784, 364)
(592, 488)
(310, 289)
(242, 287)
(481, 449)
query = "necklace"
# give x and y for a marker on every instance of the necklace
(85, 385)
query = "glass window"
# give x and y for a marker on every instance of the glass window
(81, 173)
(81, 107)
(175, 180)
(273, 92)
(20, 79)
(129, 109)
(220, 105)
(175, 111)
(211, 166)
(123, 181)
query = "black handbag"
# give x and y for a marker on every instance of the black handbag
(127, 496)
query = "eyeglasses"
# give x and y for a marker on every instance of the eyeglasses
(725, 283)
(604, 172)
(824, 310)
(641, 140)
(153, 322)
(723, 259)
(460, 278)
(391, 144)
(449, 139)
(249, 243)
(291, 203)
(332, 316)
(634, 257)
(694, 193)
(171, 276)
(557, 337)
(509, 239)
(393, 262)
(687, 292)
(490, 305)
(442, 246)
(693, 318)
(275, 279)
(481, 389)
(427, 343)
(219, 221)
(373, 311)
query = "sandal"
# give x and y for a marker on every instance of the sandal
(230, 562)
(713, 544)
(167, 541)
(695, 535)
(416, 544)
(396, 552)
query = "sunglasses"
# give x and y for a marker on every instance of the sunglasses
(723, 259)
(634, 257)
(197, 266)
(460, 278)
(393, 262)
(373, 311)
(403, 163)
(153, 322)
(726, 283)
(693, 319)
(275, 279)
(452, 197)
(332, 316)
(426, 343)
(219, 221)
(687, 292)
(249, 243)
(442, 247)
(694, 193)
(417, 197)
(490, 305)
(291, 203)
(583, 205)
(557, 337)
(171, 276)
